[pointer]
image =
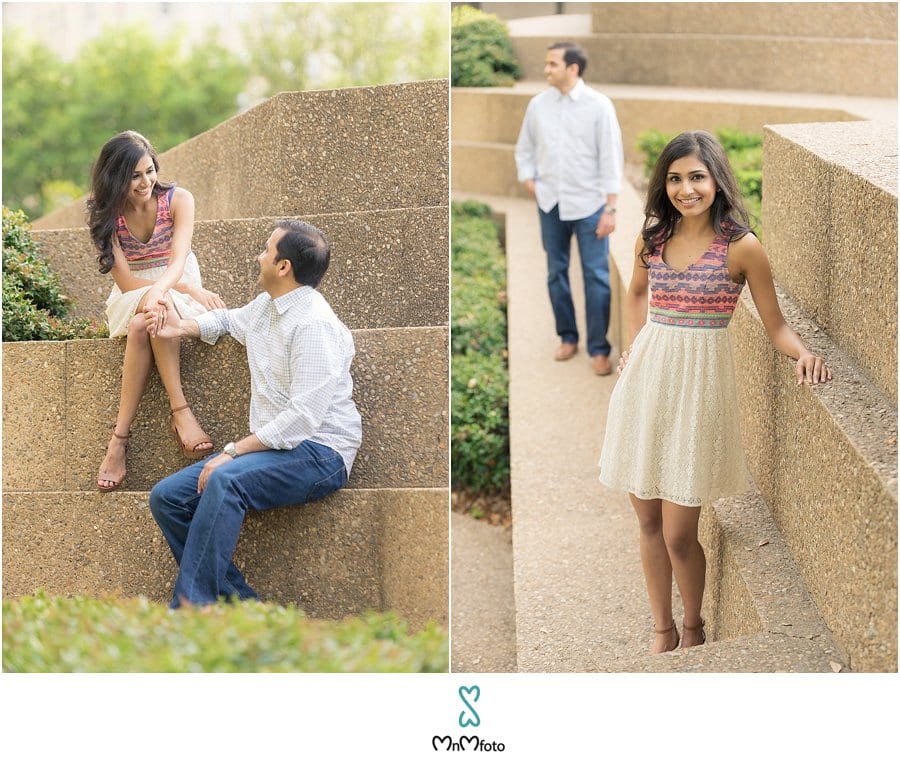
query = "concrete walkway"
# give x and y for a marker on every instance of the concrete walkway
(579, 590)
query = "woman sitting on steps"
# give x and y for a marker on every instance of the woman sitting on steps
(142, 229)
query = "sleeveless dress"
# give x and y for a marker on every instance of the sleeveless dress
(149, 261)
(673, 428)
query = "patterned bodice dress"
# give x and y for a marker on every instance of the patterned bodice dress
(673, 429)
(149, 261)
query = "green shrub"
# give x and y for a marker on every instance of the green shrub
(744, 151)
(34, 307)
(481, 54)
(52, 634)
(479, 420)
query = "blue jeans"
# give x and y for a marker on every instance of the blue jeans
(556, 236)
(202, 530)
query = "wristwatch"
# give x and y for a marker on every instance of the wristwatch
(230, 449)
(610, 210)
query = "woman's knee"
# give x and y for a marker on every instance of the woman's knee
(681, 544)
(137, 329)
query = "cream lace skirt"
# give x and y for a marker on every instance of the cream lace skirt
(120, 308)
(673, 429)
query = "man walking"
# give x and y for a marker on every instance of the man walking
(569, 156)
(304, 426)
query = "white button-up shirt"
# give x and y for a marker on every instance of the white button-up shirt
(299, 354)
(571, 146)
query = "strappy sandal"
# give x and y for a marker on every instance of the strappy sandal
(103, 477)
(694, 629)
(669, 629)
(189, 449)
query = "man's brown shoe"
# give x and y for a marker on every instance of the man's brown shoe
(601, 364)
(566, 351)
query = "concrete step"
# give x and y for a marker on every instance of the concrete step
(356, 550)
(60, 399)
(494, 115)
(825, 461)
(830, 211)
(764, 61)
(389, 267)
(317, 152)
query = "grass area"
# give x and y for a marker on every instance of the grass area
(43, 633)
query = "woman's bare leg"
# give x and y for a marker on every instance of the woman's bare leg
(688, 563)
(167, 353)
(657, 571)
(135, 372)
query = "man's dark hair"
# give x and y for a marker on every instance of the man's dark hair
(306, 248)
(572, 54)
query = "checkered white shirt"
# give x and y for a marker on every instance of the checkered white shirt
(571, 146)
(299, 354)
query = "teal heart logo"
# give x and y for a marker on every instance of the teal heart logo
(469, 696)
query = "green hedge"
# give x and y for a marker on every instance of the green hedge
(34, 307)
(744, 150)
(481, 54)
(479, 377)
(42, 633)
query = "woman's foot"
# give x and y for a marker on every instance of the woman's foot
(666, 640)
(112, 469)
(193, 440)
(693, 636)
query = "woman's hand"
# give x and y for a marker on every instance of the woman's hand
(811, 369)
(208, 299)
(623, 361)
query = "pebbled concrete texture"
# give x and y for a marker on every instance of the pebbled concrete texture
(330, 557)
(388, 268)
(833, 484)
(316, 152)
(400, 380)
(482, 605)
(830, 208)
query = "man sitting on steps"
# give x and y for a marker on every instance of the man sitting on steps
(305, 428)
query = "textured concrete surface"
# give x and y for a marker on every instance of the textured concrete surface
(302, 153)
(828, 20)
(764, 61)
(388, 268)
(328, 557)
(482, 605)
(400, 380)
(830, 211)
(414, 553)
(830, 479)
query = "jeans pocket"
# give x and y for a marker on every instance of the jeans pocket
(327, 485)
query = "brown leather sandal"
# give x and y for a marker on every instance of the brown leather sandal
(103, 477)
(189, 449)
(669, 629)
(694, 629)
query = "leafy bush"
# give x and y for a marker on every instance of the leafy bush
(42, 633)
(481, 54)
(744, 151)
(34, 307)
(479, 377)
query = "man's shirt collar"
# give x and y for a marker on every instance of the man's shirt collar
(575, 93)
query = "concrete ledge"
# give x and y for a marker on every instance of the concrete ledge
(825, 461)
(828, 20)
(764, 62)
(400, 378)
(389, 268)
(830, 211)
(486, 116)
(304, 153)
(333, 558)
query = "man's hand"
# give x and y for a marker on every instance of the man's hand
(162, 320)
(606, 225)
(529, 186)
(211, 465)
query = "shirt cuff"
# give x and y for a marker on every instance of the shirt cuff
(211, 327)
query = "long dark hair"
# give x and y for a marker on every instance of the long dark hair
(727, 214)
(110, 180)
